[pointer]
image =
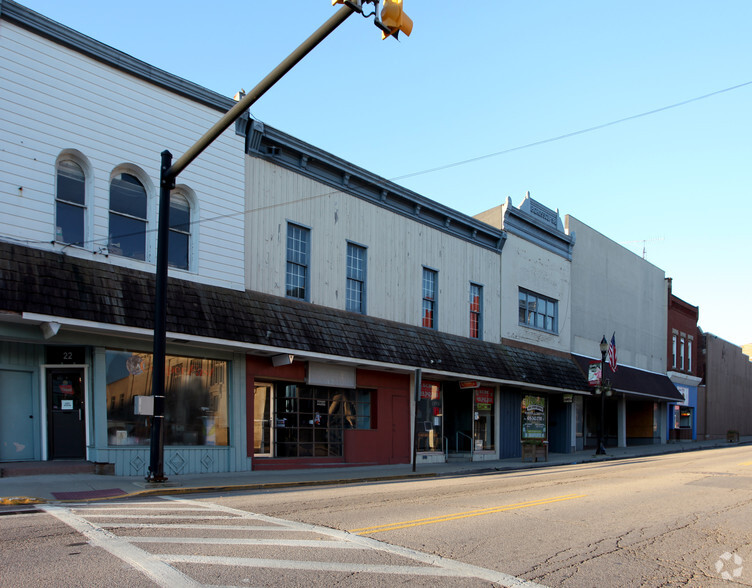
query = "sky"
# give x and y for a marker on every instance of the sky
(633, 117)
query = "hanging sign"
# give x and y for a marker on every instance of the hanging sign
(469, 384)
(594, 373)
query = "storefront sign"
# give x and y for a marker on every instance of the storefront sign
(468, 384)
(484, 398)
(336, 376)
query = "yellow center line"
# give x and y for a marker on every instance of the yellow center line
(746, 463)
(462, 515)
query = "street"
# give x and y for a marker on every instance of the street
(669, 520)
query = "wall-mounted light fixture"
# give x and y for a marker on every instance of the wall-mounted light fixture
(49, 330)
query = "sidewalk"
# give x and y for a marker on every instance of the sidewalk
(18, 493)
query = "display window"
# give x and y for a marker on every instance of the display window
(429, 417)
(196, 399)
(295, 420)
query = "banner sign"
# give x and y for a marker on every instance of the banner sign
(469, 384)
(594, 373)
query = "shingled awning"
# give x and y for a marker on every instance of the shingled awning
(52, 284)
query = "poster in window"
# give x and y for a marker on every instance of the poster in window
(484, 398)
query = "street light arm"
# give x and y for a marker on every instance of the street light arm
(168, 173)
(245, 103)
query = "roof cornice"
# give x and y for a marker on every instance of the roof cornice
(275, 146)
(544, 229)
(58, 33)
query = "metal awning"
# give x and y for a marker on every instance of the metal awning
(634, 381)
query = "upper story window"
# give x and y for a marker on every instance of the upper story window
(689, 354)
(180, 231)
(539, 312)
(430, 291)
(298, 252)
(356, 278)
(127, 217)
(476, 310)
(681, 353)
(673, 352)
(70, 203)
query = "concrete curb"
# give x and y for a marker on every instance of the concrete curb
(25, 504)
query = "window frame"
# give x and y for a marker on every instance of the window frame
(303, 264)
(430, 299)
(476, 313)
(128, 216)
(177, 230)
(673, 351)
(82, 207)
(537, 298)
(353, 282)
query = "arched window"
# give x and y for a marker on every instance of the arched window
(70, 203)
(127, 217)
(180, 231)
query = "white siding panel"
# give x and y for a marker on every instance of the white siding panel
(397, 249)
(53, 99)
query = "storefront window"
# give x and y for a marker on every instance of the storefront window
(685, 417)
(429, 417)
(534, 418)
(484, 419)
(195, 399)
(308, 421)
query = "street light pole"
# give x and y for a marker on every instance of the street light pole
(601, 433)
(168, 175)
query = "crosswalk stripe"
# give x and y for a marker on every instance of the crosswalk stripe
(157, 565)
(230, 541)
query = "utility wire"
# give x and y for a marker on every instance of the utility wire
(568, 135)
(103, 240)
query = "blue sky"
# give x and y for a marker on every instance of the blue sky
(491, 77)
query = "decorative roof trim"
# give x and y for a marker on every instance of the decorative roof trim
(538, 224)
(275, 146)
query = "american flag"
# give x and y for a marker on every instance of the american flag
(612, 353)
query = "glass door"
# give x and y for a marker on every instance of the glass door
(483, 428)
(262, 423)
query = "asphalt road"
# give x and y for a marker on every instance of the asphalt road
(671, 520)
(668, 520)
